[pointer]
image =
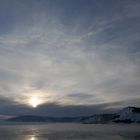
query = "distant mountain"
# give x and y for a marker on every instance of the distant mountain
(126, 115)
(30, 118)
(129, 115)
(100, 118)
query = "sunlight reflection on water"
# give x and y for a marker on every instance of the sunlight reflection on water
(70, 132)
(33, 138)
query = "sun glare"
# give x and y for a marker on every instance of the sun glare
(34, 102)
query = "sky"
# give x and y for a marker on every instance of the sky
(76, 57)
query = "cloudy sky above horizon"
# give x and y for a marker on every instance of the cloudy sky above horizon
(75, 56)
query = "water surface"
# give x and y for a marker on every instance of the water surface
(70, 132)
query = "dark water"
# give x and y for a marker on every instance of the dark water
(69, 132)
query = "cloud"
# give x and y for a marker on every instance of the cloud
(71, 53)
(10, 108)
(80, 95)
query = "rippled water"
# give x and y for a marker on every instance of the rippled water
(69, 132)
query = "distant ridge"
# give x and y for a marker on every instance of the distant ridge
(126, 115)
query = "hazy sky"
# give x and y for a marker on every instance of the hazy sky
(75, 56)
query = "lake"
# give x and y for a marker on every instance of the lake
(66, 131)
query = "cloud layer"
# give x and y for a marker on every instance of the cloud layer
(70, 52)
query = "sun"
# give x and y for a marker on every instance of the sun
(34, 102)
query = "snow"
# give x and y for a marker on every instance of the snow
(129, 114)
